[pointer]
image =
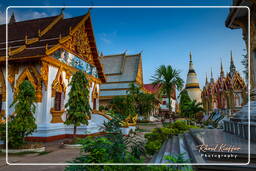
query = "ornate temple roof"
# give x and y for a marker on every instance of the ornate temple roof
(121, 70)
(232, 81)
(150, 88)
(121, 67)
(33, 38)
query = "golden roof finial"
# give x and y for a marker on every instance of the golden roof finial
(190, 56)
(39, 33)
(70, 30)
(221, 69)
(26, 38)
(46, 47)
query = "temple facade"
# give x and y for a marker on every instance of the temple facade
(192, 83)
(227, 93)
(47, 52)
(120, 71)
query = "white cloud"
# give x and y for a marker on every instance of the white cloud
(37, 14)
(107, 37)
(26, 14)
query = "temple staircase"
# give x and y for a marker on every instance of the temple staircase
(187, 143)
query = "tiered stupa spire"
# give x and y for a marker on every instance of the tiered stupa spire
(12, 19)
(206, 80)
(221, 70)
(212, 79)
(232, 64)
(192, 83)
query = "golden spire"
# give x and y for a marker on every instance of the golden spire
(206, 79)
(232, 65)
(212, 79)
(190, 56)
(221, 69)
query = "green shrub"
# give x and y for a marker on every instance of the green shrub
(153, 146)
(156, 138)
(22, 123)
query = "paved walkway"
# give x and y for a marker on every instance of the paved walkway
(55, 155)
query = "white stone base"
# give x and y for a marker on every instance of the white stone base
(68, 146)
(53, 129)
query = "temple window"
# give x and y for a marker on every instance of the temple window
(58, 101)
(237, 100)
(94, 103)
(164, 102)
(58, 92)
(95, 95)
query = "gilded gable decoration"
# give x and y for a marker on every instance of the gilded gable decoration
(2, 85)
(79, 43)
(139, 77)
(58, 84)
(30, 73)
(44, 73)
(95, 93)
(12, 70)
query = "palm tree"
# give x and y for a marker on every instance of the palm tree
(192, 108)
(167, 78)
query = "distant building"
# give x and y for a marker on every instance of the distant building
(192, 83)
(120, 71)
(226, 93)
(163, 108)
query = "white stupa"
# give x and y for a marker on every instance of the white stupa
(192, 83)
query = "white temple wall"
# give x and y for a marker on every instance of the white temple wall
(43, 115)
(173, 104)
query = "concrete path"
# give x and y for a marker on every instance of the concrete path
(55, 155)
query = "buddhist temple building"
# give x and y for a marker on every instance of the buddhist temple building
(47, 52)
(238, 18)
(192, 83)
(227, 93)
(163, 107)
(120, 71)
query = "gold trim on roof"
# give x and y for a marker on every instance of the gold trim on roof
(45, 30)
(44, 73)
(72, 31)
(31, 41)
(17, 50)
(52, 49)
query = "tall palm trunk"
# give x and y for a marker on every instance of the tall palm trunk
(74, 132)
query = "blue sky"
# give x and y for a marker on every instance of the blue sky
(166, 36)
